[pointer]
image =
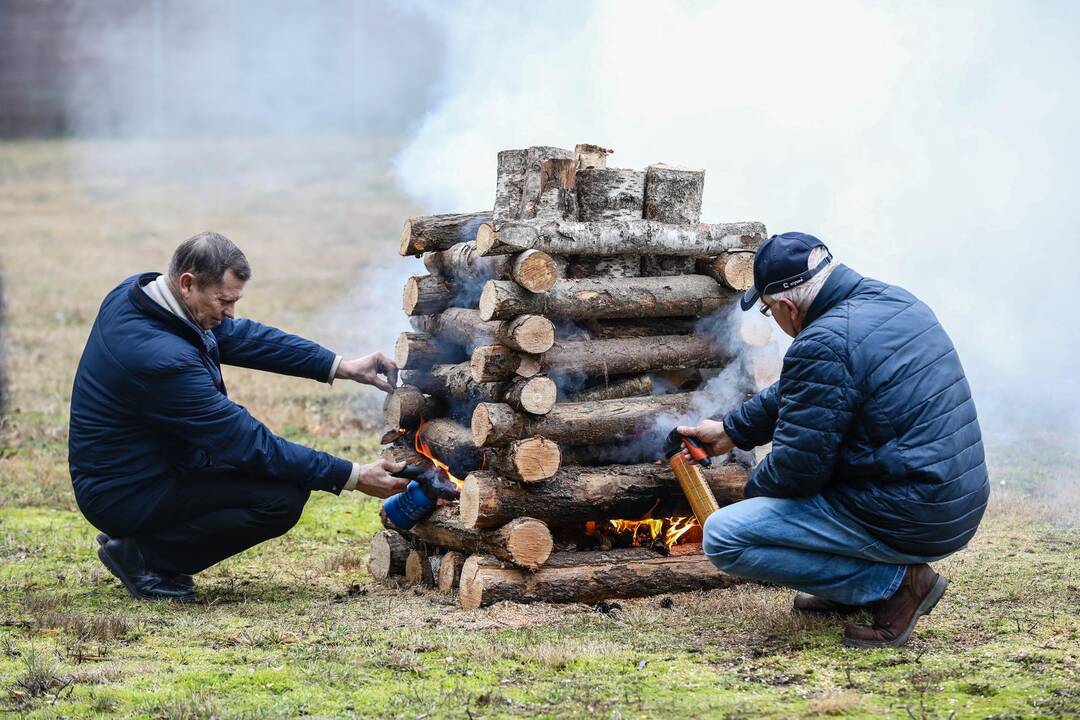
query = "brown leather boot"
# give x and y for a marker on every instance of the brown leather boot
(895, 618)
(814, 605)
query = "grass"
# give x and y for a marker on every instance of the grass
(297, 627)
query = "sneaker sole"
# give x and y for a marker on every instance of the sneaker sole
(114, 568)
(925, 608)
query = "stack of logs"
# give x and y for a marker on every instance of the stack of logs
(549, 336)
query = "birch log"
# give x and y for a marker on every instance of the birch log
(591, 156)
(610, 194)
(673, 194)
(535, 158)
(734, 270)
(626, 237)
(509, 184)
(440, 232)
(602, 299)
(577, 494)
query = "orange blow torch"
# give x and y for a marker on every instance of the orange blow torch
(688, 473)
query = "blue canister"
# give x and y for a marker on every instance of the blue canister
(410, 507)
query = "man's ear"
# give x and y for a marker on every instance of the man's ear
(185, 281)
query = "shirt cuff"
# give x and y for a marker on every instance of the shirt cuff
(354, 476)
(333, 371)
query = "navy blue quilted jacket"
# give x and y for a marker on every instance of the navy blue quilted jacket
(872, 410)
(149, 406)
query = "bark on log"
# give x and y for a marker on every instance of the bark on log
(673, 194)
(450, 570)
(389, 551)
(452, 444)
(497, 362)
(406, 406)
(610, 194)
(733, 270)
(667, 265)
(454, 383)
(418, 351)
(608, 266)
(434, 564)
(603, 299)
(428, 294)
(522, 541)
(440, 232)
(535, 395)
(534, 270)
(529, 460)
(591, 156)
(612, 389)
(463, 326)
(612, 454)
(509, 184)
(557, 199)
(588, 577)
(578, 494)
(400, 452)
(639, 327)
(621, 237)
(534, 172)
(586, 423)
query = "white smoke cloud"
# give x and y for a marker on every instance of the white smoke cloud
(932, 147)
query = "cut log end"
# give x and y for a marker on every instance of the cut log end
(535, 395)
(489, 299)
(529, 333)
(389, 551)
(535, 271)
(468, 504)
(470, 591)
(535, 459)
(411, 296)
(414, 567)
(486, 237)
(450, 570)
(406, 239)
(528, 541)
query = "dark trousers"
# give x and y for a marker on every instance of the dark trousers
(209, 516)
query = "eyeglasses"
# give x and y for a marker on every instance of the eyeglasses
(766, 310)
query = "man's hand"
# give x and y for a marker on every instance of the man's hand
(368, 369)
(711, 434)
(375, 479)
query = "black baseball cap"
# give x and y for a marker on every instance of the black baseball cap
(780, 264)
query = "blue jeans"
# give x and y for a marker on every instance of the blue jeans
(806, 544)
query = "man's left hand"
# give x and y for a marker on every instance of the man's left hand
(368, 369)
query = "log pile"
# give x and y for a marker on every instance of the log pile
(554, 340)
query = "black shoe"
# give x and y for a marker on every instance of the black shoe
(124, 560)
(182, 580)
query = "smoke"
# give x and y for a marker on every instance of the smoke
(932, 147)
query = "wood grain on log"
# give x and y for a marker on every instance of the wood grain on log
(528, 460)
(509, 184)
(450, 570)
(619, 237)
(602, 299)
(406, 406)
(585, 423)
(463, 327)
(588, 577)
(389, 551)
(535, 395)
(491, 363)
(523, 541)
(673, 194)
(610, 194)
(577, 494)
(733, 270)
(418, 351)
(440, 232)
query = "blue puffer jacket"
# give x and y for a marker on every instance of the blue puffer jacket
(149, 404)
(872, 410)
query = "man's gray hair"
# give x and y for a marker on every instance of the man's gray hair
(803, 295)
(207, 256)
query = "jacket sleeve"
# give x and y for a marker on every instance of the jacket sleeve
(184, 402)
(250, 344)
(817, 401)
(751, 424)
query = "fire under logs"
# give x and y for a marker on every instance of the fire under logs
(578, 494)
(588, 577)
(582, 423)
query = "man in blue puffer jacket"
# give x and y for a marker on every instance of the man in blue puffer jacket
(876, 467)
(175, 474)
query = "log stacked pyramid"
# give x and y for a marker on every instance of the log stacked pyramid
(549, 337)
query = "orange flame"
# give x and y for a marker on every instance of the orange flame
(424, 449)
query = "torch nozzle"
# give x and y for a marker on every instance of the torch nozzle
(677, 442)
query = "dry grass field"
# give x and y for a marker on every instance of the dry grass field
(297, 627)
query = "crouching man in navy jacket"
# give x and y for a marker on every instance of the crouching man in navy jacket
(876, 466)
(175, 475)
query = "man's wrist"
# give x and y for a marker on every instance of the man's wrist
(333, 371)
(354, 476)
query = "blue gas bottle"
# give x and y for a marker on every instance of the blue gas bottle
(420, 498)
